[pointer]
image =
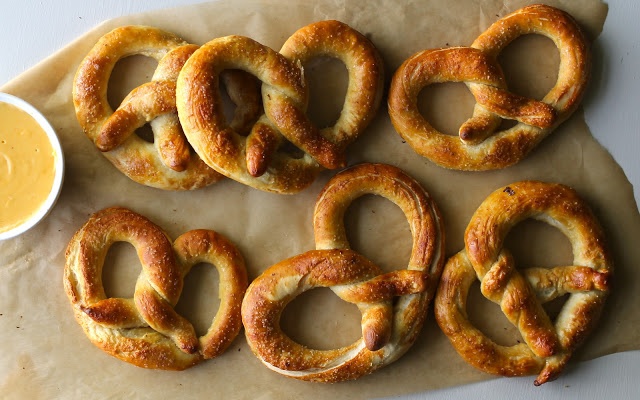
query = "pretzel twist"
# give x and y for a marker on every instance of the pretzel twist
(145, 330)
(393, 305)
(548, 345)
(480, 146)
(261, 159)
(167, 163)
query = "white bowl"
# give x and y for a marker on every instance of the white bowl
(51, 199)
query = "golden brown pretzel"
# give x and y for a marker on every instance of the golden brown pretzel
(548, 345)
(393, 305)
(479, 146)
(260, 160)
(168, 162)
(145, 330)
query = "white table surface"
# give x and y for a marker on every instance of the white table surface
(31, 30)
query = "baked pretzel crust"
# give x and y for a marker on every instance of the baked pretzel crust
(261, 159)
(393, 305)
(145, 330)
(548, 344)
(480, 146)
(167, 163)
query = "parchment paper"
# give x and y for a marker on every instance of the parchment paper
(44, 352)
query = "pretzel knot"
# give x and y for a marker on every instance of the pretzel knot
(548, 345)
(146, 330)
(480, 146)
(168, 162)
(263, 159)
(393, 305)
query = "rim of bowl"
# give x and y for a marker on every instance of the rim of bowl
(58, 178)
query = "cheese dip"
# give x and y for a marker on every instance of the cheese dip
(27, 166)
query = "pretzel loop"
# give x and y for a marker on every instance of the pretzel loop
(565, 33)
(146, 330)
(521, 293)
(206, 246)
(262, 159)
(480, 146)
(363, 97)
(393, 305)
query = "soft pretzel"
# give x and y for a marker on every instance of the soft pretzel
(261, 159)
(145, 330)
(168, 162)
(393, 305)
(548, 345)
(479, 146)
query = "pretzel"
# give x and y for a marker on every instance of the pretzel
(145, 330)
(261, 159)
(168, 162)
(480, 146)
(548, 345)
(393, 305)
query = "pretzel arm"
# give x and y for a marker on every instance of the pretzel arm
(115, 313)
(161, 316)
(512, 106)
(551, 283)
(507, 287)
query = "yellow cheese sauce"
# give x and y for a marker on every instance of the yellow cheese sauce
(27, 166)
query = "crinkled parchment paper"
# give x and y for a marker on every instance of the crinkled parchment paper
(44, 353)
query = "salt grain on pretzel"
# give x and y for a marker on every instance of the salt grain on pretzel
(168, 162)
(393, 305)
(548, 344)
(260, 159)
(145, 330)
(479, 146)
